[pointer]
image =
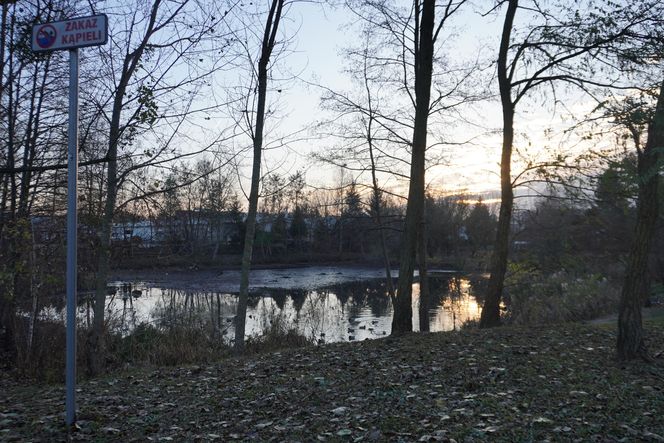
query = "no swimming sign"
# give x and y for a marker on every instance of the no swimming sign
(68, 34)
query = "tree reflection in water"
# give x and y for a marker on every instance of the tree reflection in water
(361, 310)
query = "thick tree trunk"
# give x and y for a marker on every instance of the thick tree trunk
(491, 309)
(269, 36)
(425, 294)
(635, 289)
(403, 312)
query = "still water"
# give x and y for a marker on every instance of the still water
(347, 311)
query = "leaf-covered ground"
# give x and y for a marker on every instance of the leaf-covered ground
(557, 383)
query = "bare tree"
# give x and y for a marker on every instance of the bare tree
(256, 123)
(377, 124)
(491, 307)
(618, 185)
(567, 47)
(362, 138)
(156, 41)
(31, 123)
(425, 33)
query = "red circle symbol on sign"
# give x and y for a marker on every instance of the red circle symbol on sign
(46, 36)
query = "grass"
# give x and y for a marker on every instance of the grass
(652, 317)
(655, 317)
(556, 383)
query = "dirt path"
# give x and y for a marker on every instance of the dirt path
(652, 313)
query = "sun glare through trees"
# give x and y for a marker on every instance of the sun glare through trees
(369, 220)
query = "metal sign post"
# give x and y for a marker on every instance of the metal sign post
(71, 34)
(72, 223)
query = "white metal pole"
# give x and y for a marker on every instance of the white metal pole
(72, 180)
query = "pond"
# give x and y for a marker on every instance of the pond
(342, 304)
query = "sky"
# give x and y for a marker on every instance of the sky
(320, 32)
(470, 164)
(320, 40)
(472, 167)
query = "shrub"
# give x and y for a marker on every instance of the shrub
(279, 333)
(181, 340)
(171, 346)
(533, 297)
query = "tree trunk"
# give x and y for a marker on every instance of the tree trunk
(94, 350)
(3, 45)
(30, 139)
(248, 249)
(8, 292)
(10, 226)
(12, 105)
(95, 341)
(635, 289)
(491, 309)
(269, 36)
(34, 294)
(403, 312)
(425, 294)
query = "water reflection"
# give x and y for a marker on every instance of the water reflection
(343, 312)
